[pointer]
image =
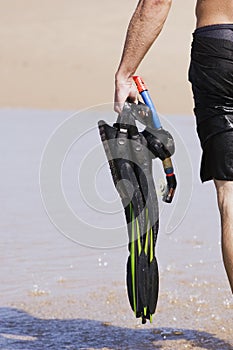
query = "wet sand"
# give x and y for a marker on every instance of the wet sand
(57, 294)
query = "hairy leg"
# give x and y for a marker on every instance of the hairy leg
(225, 204)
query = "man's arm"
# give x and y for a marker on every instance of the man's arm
(144, 27)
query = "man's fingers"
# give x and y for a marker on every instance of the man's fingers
(118, 107)
(125, 91)
(119, 100)
(133, 95)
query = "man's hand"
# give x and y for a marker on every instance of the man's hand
(125, 89)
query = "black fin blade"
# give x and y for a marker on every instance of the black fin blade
(153, 285)
(143, 279)
(130, 287)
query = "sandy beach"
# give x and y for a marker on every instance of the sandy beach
(61, 54)
(56, 291)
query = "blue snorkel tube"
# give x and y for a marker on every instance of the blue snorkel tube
(167, 163)
(148, 101)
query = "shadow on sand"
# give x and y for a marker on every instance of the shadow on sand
(19, 330)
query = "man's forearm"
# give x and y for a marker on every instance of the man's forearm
(145, 25)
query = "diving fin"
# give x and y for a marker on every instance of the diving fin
(130, 162)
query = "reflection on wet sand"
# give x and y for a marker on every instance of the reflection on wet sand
(20, 330)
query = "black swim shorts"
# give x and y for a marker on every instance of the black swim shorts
(211, 75)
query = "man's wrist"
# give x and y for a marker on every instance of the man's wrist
(123, 79)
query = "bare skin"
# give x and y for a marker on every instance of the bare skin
(214, 12)
(225, 204)
(144, 28)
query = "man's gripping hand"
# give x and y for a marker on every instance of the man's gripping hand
(125, 90)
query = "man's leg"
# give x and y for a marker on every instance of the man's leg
(225, 204)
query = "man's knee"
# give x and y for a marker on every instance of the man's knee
(225, 195)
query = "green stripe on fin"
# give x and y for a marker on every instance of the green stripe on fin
(138, 237)
(147, 238)
(151, 245)
(145, 310)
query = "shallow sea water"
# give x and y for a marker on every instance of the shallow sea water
(57, 294)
